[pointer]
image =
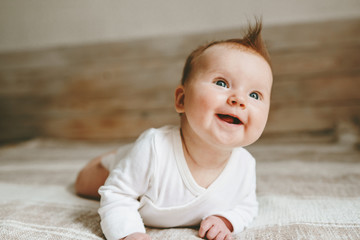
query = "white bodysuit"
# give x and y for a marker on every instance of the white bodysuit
(150, 183)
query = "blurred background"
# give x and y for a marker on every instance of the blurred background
(107, 70)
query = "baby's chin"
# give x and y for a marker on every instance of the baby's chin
(247, 141)
(231, 143)
(253, 140)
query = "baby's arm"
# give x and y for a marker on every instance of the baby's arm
(215, 227)
(246, 206)
(127, 182)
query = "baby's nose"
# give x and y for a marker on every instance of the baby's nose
(237, 101)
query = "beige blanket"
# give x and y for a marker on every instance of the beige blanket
(304, 191)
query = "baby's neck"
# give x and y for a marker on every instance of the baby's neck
(202, 154)
(205, 163)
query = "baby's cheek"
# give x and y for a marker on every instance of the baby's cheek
(195, 109)
(257, 122)
(205, 103)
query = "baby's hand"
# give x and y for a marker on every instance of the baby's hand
(137, 236)
(215, 227)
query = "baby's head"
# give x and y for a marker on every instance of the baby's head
(224, 96)
(252, 41)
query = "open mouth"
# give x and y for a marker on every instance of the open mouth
(229, 119)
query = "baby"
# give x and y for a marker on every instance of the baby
(196, 174)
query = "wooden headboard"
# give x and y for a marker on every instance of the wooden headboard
(116, 90)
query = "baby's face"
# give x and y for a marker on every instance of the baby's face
(227, 98)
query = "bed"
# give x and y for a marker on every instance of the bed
(60, 107)
(305, 191)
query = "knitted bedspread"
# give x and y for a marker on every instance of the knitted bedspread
(304, 192)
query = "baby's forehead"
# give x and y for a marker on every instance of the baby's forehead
(217, 58)
(227, 47)
(221, 50)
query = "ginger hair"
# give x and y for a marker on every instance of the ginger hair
(251, 41)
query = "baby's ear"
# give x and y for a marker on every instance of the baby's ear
(179, 99)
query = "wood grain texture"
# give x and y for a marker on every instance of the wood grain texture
(116, 90)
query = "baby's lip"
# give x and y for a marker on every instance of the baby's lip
(229, 118)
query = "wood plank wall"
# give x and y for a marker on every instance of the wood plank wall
(116, 90)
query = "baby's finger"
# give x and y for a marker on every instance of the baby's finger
(221, 236)
(228, 237)
(204, 227)
(213, 233)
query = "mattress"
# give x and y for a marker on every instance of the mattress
(305, 191)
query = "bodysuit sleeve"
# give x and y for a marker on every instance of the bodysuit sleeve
(245, 206)
(243, 214)
(126, 183)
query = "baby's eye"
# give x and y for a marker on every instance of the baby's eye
(254, 95)
(221, 83)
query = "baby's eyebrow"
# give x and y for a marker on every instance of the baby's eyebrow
(222, 72)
